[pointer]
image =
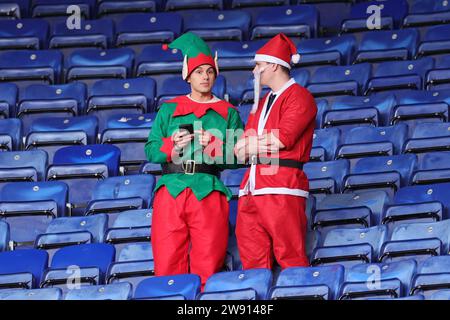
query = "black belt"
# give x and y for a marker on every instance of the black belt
(190, 167)
(277, 162)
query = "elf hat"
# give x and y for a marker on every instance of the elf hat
(280, 50)
(195, 51)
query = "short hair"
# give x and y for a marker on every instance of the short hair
(285, 70)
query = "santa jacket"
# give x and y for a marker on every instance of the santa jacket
(292, 119)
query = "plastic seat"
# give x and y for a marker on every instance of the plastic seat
(119, 291)
(156, 59)
(9, 10)
(387, 45)
(236, 55)
(326, 177)
(340, 80)
(23, 166)
(176, 287)
(22, 269)
(427, 12)
(23, 34)
(439, 77)
(294, 21)
(109, 8)
(8, 99)
(429, 137)
(36, 204)
(172, 5)
(81, 167)
(232, 178)
(4, 236)
(434, 168)
(67, 100)
(252, 284)
(435, 41)
(218, 25)
(313, 283)
(25, 67)
(432, 279)
(31, 294)
(10, 133)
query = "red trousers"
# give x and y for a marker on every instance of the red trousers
(270, 225)
(189, 235)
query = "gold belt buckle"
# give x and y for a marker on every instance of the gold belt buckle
(189, 167)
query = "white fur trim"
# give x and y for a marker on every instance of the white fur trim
(272, 59)
(286, 191)
(216, 58)
(185, 68)
(295, 58)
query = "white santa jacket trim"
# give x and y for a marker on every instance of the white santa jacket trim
(271, 59)
(250, 185)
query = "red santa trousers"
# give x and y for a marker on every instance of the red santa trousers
(270, 225)
(189, 235)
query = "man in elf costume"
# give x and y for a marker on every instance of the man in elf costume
(190, 209)
(277, 142)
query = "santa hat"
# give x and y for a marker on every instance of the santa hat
(280, 50)
(195, 51)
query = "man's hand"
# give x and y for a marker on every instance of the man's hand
(271, 142)
(181, 139)
(204, 137)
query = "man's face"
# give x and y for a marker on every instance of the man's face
(202, 79)
(267, 71)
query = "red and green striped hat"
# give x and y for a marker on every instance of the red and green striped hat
(195, 51)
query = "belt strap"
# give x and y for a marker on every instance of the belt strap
(280, 162)
(190, 167)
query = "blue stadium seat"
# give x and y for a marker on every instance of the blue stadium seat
(52, 134)
(424, 203)
(133, 265)
(392, 14)
(236, 55)
(22, 269)
(388, 173)
(8, 99)
(68, 231)
(387, 45)
(4, 236)
(25, 67)
(67, 100)
(172, 5)
(325, 143)
(313, 283)
(88, 262)
(232, 178)
(10, 133)
(427, 12)
(361, 209)
(340, 80)
(115, 97)
(176, 287)
(432, 278)
(144, 28)
(31, 294)
(380, 280)
(23, 166)
(332, 51)
(414, 107)
(294, 21)
(326, 177)
(371, 141)
(25, 204)
(440, 295)
(23, 34)
(322, 106)
(350, 246)
(119, 291)
(251, 284)
(434, 168)
(9, 11)
(116, 194)
(428, 137)
(218, 25)
(97, 33)
(81, 167)
(156, 59)
(435, 41)
(257, 3)
(417, 241)
(108, 8)
(58, 8)
(151, 168)
(129, 132)
(244, 112)
(400, 75)
(92, 64)
(24, 6)
(350, 111)
(175, 86)
(439, 77)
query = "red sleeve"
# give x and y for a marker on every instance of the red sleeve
(167, 147)
(298, 112)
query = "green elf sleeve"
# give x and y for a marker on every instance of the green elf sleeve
(159, 147)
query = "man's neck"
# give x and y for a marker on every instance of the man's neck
(279, 82)
(201, 97)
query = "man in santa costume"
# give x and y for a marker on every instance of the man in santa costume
(189, 139)
(277, 142)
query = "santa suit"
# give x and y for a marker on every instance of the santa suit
(271, 208)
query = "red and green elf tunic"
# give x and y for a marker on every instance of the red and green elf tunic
(216, 116)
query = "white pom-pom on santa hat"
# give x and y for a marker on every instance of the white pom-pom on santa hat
(295, 58)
